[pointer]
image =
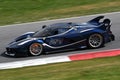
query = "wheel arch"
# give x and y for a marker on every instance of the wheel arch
(96, 33)
(35, 41)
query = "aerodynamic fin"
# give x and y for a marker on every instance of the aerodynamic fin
(96, 20)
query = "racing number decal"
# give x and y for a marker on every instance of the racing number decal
(56, 42)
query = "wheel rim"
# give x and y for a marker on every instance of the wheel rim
(36, 49)
(95, 40)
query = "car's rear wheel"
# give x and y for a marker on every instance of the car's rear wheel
(35, 49)
(95, 40)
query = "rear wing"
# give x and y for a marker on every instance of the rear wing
(96, 20)
(103, 24)
(100, 21)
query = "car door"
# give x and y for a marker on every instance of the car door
(74, 35)
(64, 39)
(55, 40)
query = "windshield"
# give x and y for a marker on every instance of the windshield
(43, 33)
(53, 29)
(49, 32)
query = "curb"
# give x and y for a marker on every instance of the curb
(43, 61)
(92, 55)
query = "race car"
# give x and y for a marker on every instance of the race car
(62, 36)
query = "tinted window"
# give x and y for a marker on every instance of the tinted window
(43, 33)
(54, 29)
(62, 30)
(49, 32)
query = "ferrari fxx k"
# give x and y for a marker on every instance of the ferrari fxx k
(62, 36)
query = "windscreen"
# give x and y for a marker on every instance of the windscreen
(53, 29)
(43, 33)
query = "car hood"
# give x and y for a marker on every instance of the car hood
(21, 42)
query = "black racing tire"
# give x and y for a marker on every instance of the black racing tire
(95, 40)
(35, 49)
(112, 37)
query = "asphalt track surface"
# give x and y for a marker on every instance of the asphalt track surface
(9, 32)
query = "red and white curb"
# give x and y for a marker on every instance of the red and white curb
(43, 61)
(98, 54)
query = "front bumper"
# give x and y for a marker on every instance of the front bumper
(15, 52)
(9, 54)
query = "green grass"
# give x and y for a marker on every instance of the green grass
(20, 11)
(94, 69)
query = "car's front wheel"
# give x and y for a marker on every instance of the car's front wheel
(95, 40)
(35, 49)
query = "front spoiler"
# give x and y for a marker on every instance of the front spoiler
(10, 54)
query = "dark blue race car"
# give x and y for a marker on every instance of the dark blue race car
(62, 36)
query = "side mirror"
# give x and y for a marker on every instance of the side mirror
(70, 23)
(44, 26)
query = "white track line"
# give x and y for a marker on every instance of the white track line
(34, 62)
(41, 61)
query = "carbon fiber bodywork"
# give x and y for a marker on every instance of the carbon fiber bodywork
(61, 36)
